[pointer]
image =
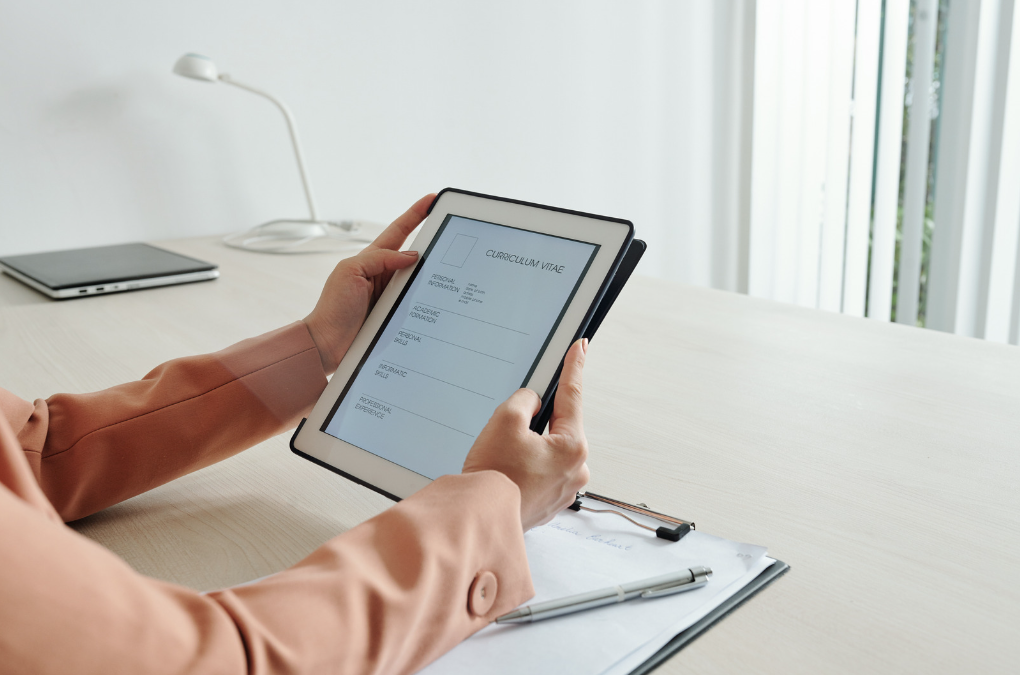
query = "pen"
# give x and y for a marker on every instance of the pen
(656, 587)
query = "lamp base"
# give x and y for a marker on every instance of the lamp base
(302, 236)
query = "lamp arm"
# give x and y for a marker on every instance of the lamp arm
(293, 137)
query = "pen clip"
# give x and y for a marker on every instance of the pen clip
(699, 579)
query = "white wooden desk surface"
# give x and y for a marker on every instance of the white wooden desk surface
(881, 462)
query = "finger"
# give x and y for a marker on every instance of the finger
(380, 261)
(522, 405)
(567, 417)
(393, 237)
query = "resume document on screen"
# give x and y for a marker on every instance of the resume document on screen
(468, 333)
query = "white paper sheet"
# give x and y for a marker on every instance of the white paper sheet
(580, 552)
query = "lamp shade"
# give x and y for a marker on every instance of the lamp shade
(197, 67)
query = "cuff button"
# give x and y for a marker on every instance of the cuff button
(482, 594)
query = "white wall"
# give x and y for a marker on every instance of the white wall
(631, 110)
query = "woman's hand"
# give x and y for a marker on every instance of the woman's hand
(549, 470)
(354, 286)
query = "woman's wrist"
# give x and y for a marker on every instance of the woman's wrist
(323, 344)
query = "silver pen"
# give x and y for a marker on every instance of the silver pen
(656, 587)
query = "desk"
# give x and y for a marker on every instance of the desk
(881, 461)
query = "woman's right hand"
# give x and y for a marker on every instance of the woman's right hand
(549, 469)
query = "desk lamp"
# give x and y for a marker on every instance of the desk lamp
(276, 236)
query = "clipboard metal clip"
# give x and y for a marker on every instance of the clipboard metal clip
(674, 531)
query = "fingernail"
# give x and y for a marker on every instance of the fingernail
(413, 254)
(584, 345)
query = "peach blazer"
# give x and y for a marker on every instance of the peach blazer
(388, 596)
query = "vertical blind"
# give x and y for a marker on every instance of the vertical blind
(885, 161)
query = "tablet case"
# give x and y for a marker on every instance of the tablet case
(686, 636)
(623, 272)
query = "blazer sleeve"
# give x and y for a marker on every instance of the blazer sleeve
(89, 451)
(388, 596)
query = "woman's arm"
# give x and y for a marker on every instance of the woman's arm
(388, 596)
(89, 451)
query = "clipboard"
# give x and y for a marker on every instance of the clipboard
(688, 635)
(682, 527)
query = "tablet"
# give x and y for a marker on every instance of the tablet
(500, 291)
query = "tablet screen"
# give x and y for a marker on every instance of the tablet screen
(469, 331)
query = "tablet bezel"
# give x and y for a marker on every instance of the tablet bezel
(613, 235)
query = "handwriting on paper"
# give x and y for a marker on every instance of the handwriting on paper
(557, 525)
(597, 538)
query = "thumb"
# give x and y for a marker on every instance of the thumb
(371, 263)
(522, 405)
